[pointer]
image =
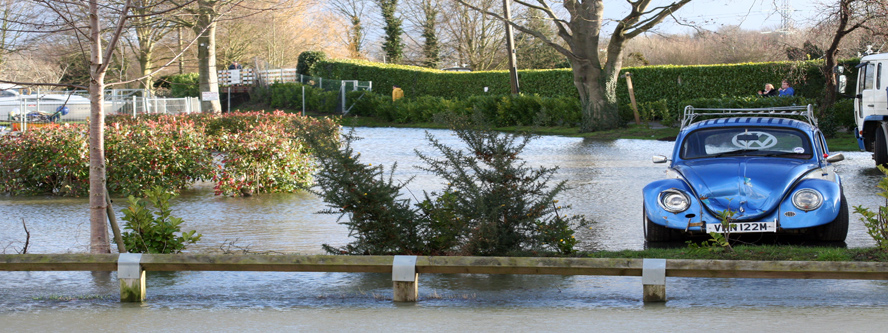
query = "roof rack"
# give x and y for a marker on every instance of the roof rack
(806, 111)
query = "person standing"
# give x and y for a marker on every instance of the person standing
(235, 65)
(786, 89)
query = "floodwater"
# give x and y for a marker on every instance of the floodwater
(605, 177)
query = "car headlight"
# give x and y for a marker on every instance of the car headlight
(674, 201)
(807, 199)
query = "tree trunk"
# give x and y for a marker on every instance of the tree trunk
(829, 89)
(206, 53)
(181, 50)
(598, 98)
(145, 67)
(97, 203)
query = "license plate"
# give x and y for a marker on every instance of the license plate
(743, 227)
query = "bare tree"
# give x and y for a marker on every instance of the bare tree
(13, 14)
(149, 31)
(203, 19)
(353, 11)
(594, 77)
(848, 16)
(477, 38)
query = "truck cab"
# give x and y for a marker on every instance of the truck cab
(871, 106)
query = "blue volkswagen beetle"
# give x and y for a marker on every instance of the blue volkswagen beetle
(768, 170)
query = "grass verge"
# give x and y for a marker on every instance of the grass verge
(843, 141)
(753, 252)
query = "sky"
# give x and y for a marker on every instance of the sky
(712, 14)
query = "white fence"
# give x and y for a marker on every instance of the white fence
(19, 116)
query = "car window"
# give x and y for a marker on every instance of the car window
(869, 77)
(879, 77)
(746, 141)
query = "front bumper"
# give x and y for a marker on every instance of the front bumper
(789, 218)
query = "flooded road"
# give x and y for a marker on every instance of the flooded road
(606, 178)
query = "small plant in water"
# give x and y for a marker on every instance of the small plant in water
(718, 240)
(154, 232)
(877, 223)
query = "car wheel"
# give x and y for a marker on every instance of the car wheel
(880, 148)
(837, 230)
(654, 232)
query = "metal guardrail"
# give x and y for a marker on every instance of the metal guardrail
(653, 271)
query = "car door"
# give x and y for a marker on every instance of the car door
(866, 92)
(880, 91)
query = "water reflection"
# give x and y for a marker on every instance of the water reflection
(605, 177)
(605, 180)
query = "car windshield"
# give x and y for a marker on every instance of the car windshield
(746, 141)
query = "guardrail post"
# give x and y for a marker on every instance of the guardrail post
(405, 279)
(653, 279)
(131, 276)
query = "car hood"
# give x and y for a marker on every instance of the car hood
(749, 186)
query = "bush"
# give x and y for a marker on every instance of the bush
(289, 96)
(307, 59)
(154, 232)
(492, 204)
(266, 152)
(48, 160)
(184, 85)
(497, 203)
(838, 117)
(505, 110)
(262, 160)
(167, 152)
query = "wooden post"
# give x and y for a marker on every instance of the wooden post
(653, 280)
(405, 280)
(133, 290)
(628, 77)
(406, 291)
(132, 277)
(115, 228)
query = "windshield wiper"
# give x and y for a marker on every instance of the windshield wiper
(788, 154)
(735, 152)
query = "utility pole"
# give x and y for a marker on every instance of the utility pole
(510, 43)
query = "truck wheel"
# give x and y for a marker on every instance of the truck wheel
(837, 230)
(654, 232)
(880, 148)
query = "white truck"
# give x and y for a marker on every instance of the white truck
(871, 106)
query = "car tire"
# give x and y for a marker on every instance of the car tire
(837, 230)
(880, 147)
(654, 232)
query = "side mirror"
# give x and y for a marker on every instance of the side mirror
(835, 158)
(841, 84)
(662, 159)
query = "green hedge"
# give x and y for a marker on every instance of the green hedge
(184, 85)
(289, 96)
(672, 84)
(502, 110)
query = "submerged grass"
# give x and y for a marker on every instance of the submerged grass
(67, 298)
